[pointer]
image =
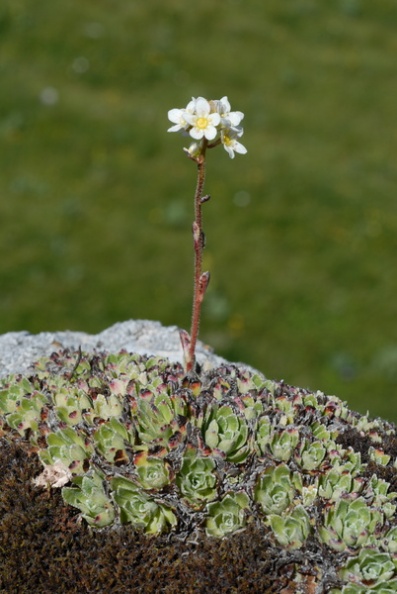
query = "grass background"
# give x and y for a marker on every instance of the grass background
(96, 198)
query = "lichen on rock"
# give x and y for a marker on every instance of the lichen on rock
(132, 439)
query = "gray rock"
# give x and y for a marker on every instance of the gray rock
(19, 350)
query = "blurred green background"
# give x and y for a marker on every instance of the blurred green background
(96, 197)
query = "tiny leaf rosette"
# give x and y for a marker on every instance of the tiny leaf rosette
(274, 489)
(350, 524)
(153, 472)
(228, 515)
(292, 529)
(89, 496)
(227, 430)
(139, 509)
(196, 479)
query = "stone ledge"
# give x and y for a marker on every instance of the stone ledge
(19, 350)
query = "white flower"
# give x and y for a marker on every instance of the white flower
(177, 116)
(203, 123)
(229, 119)
(194, 150)
(231, 144)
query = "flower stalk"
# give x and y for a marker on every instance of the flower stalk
(201, 279)
(209, 123)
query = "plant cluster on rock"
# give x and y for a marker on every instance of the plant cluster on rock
(135, 440)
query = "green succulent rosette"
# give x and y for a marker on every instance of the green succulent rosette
(311, 454)
(152, 472)
(283, 443)
(21, 404)
(89, 496)
(350, 523)
(291, 530)
(228, 515)
(140, 509)
(160, 419)
(275, 489)
(226, 430)
(277, 441)
(369, 568)
(111, 439)
(196, 480)
(68, 447)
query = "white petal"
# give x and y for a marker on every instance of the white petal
(196, 133)
(191, 106)
(202, 107)
(190, 118)
(175, 128)
(225, 105)
(214, 118)
(239, 148)
(210, 132)
(176, 115)
(235, 117)
(229, 150)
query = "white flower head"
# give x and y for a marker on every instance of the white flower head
(231, 144)
(211, 120)
(203, 123)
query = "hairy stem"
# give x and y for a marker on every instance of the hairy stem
(201, 279)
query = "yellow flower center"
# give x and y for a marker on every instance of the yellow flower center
(202, 123)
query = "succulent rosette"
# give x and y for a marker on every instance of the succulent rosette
(69, 448)
(275, 490)
(390, 541)
(21, 405)
(338, 481)
(160, 419)
(263, 435)
(226, 430)
(278, 441)
(350, 523)
(291, 530)
(196, 479)
(153, 472)
(311, 454)
(89, 496)
(107, 406)
(71, 405)
(111, 440)
(369, 568)
(228, 515)
(141, 509)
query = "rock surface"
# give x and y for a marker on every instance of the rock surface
(19, 350)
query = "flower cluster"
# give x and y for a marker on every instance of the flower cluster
(209, 122)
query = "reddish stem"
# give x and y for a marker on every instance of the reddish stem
(201, 279)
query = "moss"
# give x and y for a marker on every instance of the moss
(44, 548)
